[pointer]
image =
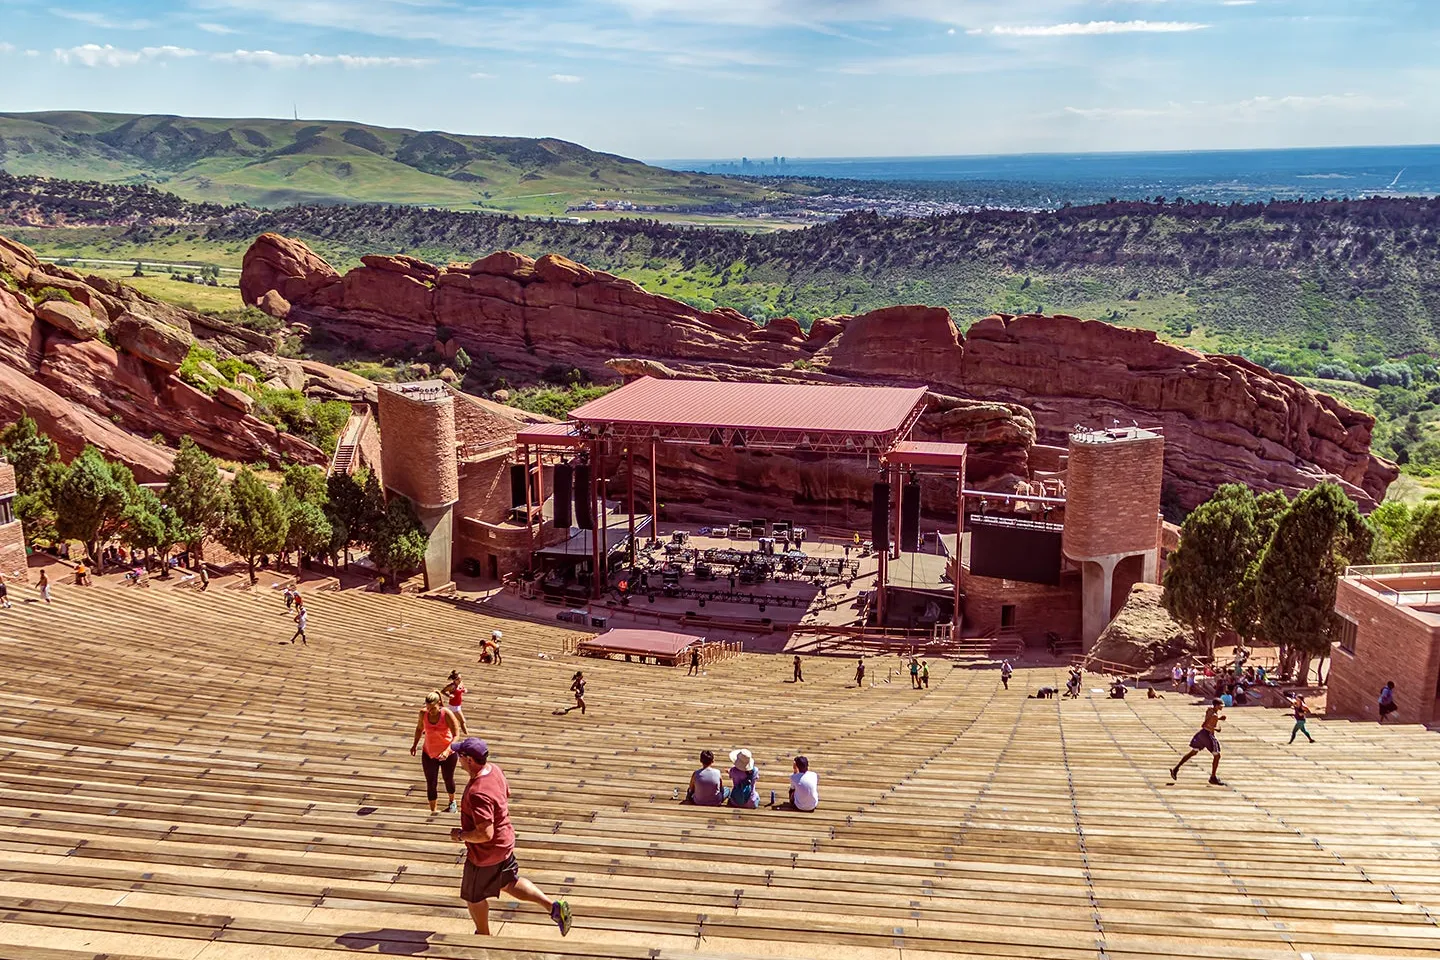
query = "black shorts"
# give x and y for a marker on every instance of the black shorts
(485, 883)
(1388, 708)
(1205, 740)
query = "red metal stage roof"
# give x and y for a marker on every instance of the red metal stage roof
(548, 434)
(926, 453)
(756, 406)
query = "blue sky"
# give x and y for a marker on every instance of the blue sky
(722, 78)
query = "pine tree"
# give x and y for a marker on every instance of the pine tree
(255, 522)
(197, 494)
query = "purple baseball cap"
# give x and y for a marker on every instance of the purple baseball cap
(472, 747)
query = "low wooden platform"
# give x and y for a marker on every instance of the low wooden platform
(176, 782)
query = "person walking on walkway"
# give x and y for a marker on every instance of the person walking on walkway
(694, 661)
(925, 674)
(914, 674)
(454, 692)
(495, 636)
(577, 687)
(860, 672)
(204, 578)
(799, 674)
(438, 728)
(44, 587)
(290, 596)
(490, 865)
(1300, 711)
(1206, 738)
(1386, 701)
(302, 619)
(1006, 671)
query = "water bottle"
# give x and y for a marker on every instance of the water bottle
(772, 798)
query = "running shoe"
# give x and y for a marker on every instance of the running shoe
(1217, 781)
(560, 913)
(452, 808)
(1174, 773)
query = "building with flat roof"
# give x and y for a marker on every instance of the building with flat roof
(1389, 630)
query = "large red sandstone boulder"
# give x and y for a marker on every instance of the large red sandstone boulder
(286, 266)
(400, 263)
(553, 268)
(273, 304)
(505, 263)
(70, 318)
(913, 342)
(151, 340)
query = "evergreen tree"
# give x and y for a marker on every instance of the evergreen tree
(90, 496)
(255, 522)
(1245, 608)
(345, 509)
(1315, 539)
(1218, 542)
(1422, 539)
(29, 451)
(197, 494)
(400, 541)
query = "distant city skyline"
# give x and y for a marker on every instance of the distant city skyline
(723, 79)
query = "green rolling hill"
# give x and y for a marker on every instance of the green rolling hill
(273, 163)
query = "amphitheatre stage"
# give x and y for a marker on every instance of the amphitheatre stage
(180, 784)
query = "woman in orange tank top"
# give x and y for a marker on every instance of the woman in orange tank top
(438, 727)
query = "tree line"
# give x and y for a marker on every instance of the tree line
(97, 501)
(1265, 567)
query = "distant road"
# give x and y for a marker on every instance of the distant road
(143, 263)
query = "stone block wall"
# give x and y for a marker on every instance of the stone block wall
(1392, 642)
(1112, 492)
(485, 488)
(418, 449)
(1039, 607)
(12, 538)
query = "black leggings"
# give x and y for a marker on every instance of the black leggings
(433, 769)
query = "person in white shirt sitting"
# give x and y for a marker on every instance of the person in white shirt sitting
(804, 787)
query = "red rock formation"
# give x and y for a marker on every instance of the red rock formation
(1224, 418)
(83, 391)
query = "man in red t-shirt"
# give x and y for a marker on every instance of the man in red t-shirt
(489, 839)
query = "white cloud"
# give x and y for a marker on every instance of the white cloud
(32, 53)
(565, 78)
(94, 19)
(216, 28)
(1237, 3)
(480, 75)
(269, 58)
(1099, 28)
(96, 55)
(6, 47)
(1250, 110)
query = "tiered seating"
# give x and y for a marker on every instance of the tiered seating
(180, 784)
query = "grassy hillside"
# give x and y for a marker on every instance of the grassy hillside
(275, 162)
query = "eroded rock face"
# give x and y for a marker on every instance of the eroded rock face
(71, 318)
(1225, 419)
(286, 266)
(82, 391)
(151, 341)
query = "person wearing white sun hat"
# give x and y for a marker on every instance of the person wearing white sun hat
(743, 777)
